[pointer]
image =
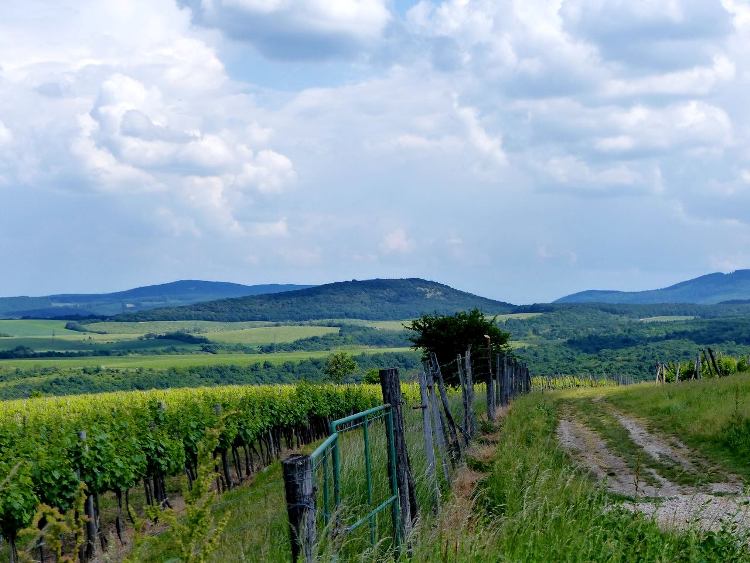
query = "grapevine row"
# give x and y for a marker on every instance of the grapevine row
(140, 438)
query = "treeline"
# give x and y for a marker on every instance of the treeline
(637, 361)
(348, 335)
(22, 383)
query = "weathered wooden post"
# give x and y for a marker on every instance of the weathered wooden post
(498, 381)
(698, 366)
(438, 423)
(429, 447)
(490, 383)
(88, 549)
(469, 374)
(464, 400)
(390, 385)
(452, 426)
(505, 391)
(299, 485)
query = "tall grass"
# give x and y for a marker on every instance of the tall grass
(711, 415)
(534, 505)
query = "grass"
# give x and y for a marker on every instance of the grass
(534, 505)
(667, 318)
(709, 415)
(173, 326)
(270, 334)
(519, 316)
(34, 327)
(166, 361)
(599, 418)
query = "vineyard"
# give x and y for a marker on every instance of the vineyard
(115, 442)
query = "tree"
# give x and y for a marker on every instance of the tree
(372, 376)
(450, 335)
(339, 365)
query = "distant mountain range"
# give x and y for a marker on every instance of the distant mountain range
(370, 299)
(708, 289)
(184, 292)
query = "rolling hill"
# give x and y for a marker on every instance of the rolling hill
(708, 289)
(184, 292)
(377, 299)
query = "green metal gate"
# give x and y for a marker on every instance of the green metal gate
(331, 449)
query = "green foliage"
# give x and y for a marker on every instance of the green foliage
(447, 336)
(372, 377)
(247, 369)
(131, 435)
(194, 533)
(339, 366)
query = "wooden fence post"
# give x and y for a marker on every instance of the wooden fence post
(490, 384)
(452, 427)
(470, 388)
(299, 485)
(438, 424)
(429, 446)
(498, 382)
(390, 385)
(465, 401)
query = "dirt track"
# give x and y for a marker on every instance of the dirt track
(707, 506)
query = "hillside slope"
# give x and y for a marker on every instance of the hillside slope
(376, 299)
(711, 288)
(183, 292)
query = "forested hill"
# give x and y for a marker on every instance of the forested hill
(184, 292)
(708, 289)
(377, 299)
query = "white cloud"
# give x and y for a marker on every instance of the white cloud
(397, 241)
(177, 128)
(296, 29)
(6, 136)
(139, 104)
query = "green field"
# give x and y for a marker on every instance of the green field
(35, 328)
(667, 318)
(38, 335)
(270, 334)
(159, 327)
(166, 361)
(518, 316)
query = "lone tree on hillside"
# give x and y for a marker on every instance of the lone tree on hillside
(450, 335)
(339, 365)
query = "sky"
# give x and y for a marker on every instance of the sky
(518, 149)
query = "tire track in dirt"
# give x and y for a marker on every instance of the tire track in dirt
(707, 507)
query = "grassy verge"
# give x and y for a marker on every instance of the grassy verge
(535, 506)
(712, 416)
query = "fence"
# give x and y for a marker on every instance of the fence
(707, 363)
(553, 382)
(447, 423)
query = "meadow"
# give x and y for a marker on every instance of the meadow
(165, 361)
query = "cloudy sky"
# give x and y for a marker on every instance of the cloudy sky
(519, 149)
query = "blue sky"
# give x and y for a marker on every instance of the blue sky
(518, 149)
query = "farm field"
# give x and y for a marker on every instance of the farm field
(34, 327)
(565, 512)
(164, 361)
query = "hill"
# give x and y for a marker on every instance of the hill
(708, 289)
(184, 292)
(377, 299)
